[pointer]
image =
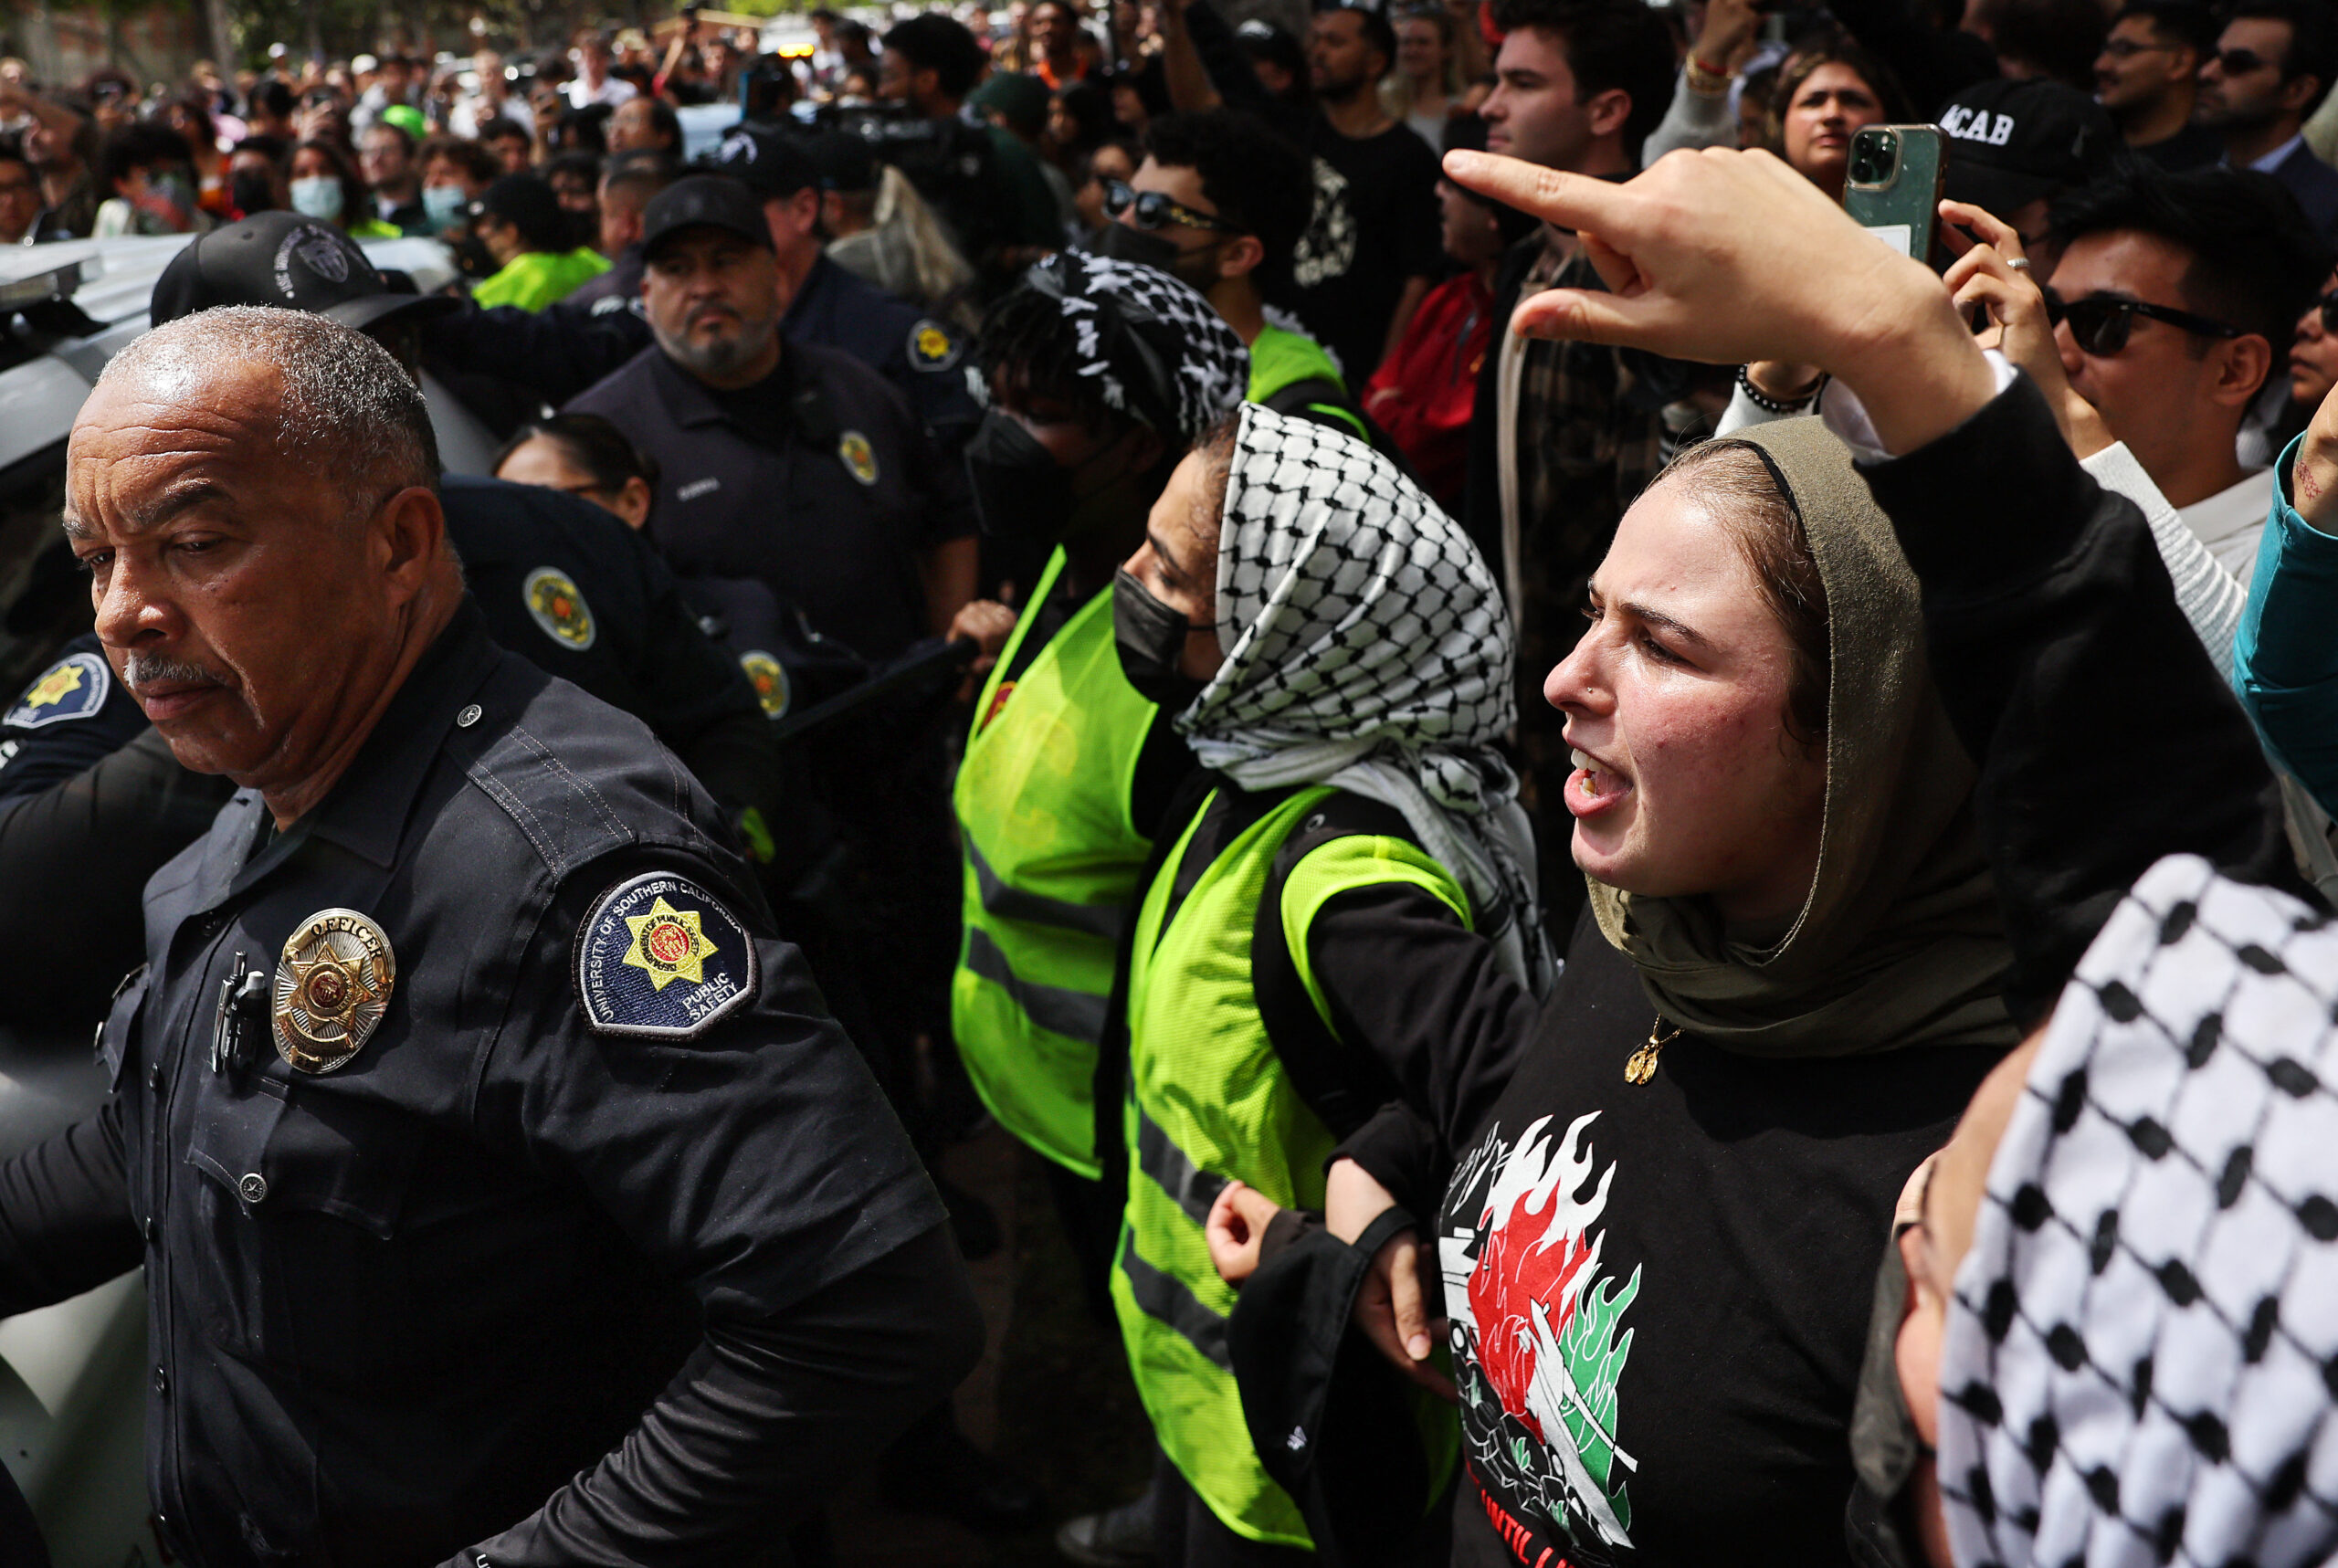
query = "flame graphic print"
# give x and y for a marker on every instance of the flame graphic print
(1536, 1334)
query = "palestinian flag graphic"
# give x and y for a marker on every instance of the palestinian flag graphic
(1535, 1344)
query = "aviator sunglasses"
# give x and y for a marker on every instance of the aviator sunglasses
(2099, 324)
(1154, 210)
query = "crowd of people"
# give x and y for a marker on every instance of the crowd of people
(1654, 879)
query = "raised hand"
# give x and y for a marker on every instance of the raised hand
(1728, 257)
(1993, 270)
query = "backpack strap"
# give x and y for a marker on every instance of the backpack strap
(1344, 1087)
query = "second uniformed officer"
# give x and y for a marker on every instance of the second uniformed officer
(559, 583)
(505, 1193)
(780, 461)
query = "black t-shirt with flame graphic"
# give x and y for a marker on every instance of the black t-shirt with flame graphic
(1658, 1293)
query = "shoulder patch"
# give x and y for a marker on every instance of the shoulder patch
(75, 687)
(769, 677)
(661, 957)
(933, 346)
(859, 457)
(560, 609)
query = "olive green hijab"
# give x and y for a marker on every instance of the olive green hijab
(1899, 942)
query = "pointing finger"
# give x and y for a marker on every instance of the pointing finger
(1570, 201)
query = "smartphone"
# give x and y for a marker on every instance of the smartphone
(1893, 186)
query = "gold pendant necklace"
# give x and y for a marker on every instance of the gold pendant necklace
(1641, 1066)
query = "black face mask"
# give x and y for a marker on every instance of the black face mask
(1197, 268)
(1151, 639)
(473, 258)
(252, 191)
(1021, 492)
(1886, 1447)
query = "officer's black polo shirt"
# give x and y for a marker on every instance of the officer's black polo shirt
(395, 1308)
(820, 483)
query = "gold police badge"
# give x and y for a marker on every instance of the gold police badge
(769, 677)
(859, 457)
(931, 347)
(55, 686)
(333, 985)
(669, 944)
(560, 609)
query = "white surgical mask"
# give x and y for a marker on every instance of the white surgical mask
(443, 205)
(318, 196)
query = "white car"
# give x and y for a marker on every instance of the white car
(73, 1376)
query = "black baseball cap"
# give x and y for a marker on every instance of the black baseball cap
(529, 204)
(704, 201)
(288, 261)
(2011, 143)
(768, 163)
(845, 160)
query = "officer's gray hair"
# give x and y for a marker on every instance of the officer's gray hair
(348, 407)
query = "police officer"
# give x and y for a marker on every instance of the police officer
(779, 460)
(466, 1086)
(795, 468)
(828, 304)
(564, 351)
(560, 582)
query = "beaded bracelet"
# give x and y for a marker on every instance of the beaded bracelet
(1764, 402)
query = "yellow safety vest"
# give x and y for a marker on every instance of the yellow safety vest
(1051, 867)
(1209, 1101)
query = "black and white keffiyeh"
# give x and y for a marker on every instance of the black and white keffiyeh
(1158, 350)
(2141, 1358)
(1367, 648)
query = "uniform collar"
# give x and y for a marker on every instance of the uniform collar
(692, 404)
(811, 296)
(366, 811)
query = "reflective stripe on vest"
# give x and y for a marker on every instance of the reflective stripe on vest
(1075, 1014)
(1051, 867)
(1036, 908)
(1207, 1101)
(1193, 1188)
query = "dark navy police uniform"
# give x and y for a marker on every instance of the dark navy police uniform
(595, 1111)
(816, 482)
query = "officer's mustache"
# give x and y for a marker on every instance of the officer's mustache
(144, 670)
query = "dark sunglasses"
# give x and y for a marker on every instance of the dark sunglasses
(1154, 209)
(2329, 303)
(2239, 62)
(2099, 324)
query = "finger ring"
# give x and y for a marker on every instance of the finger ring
(2018, 263)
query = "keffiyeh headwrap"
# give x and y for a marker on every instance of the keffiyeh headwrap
(1155, 348)
(2141, 1358)
(1367, 648)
